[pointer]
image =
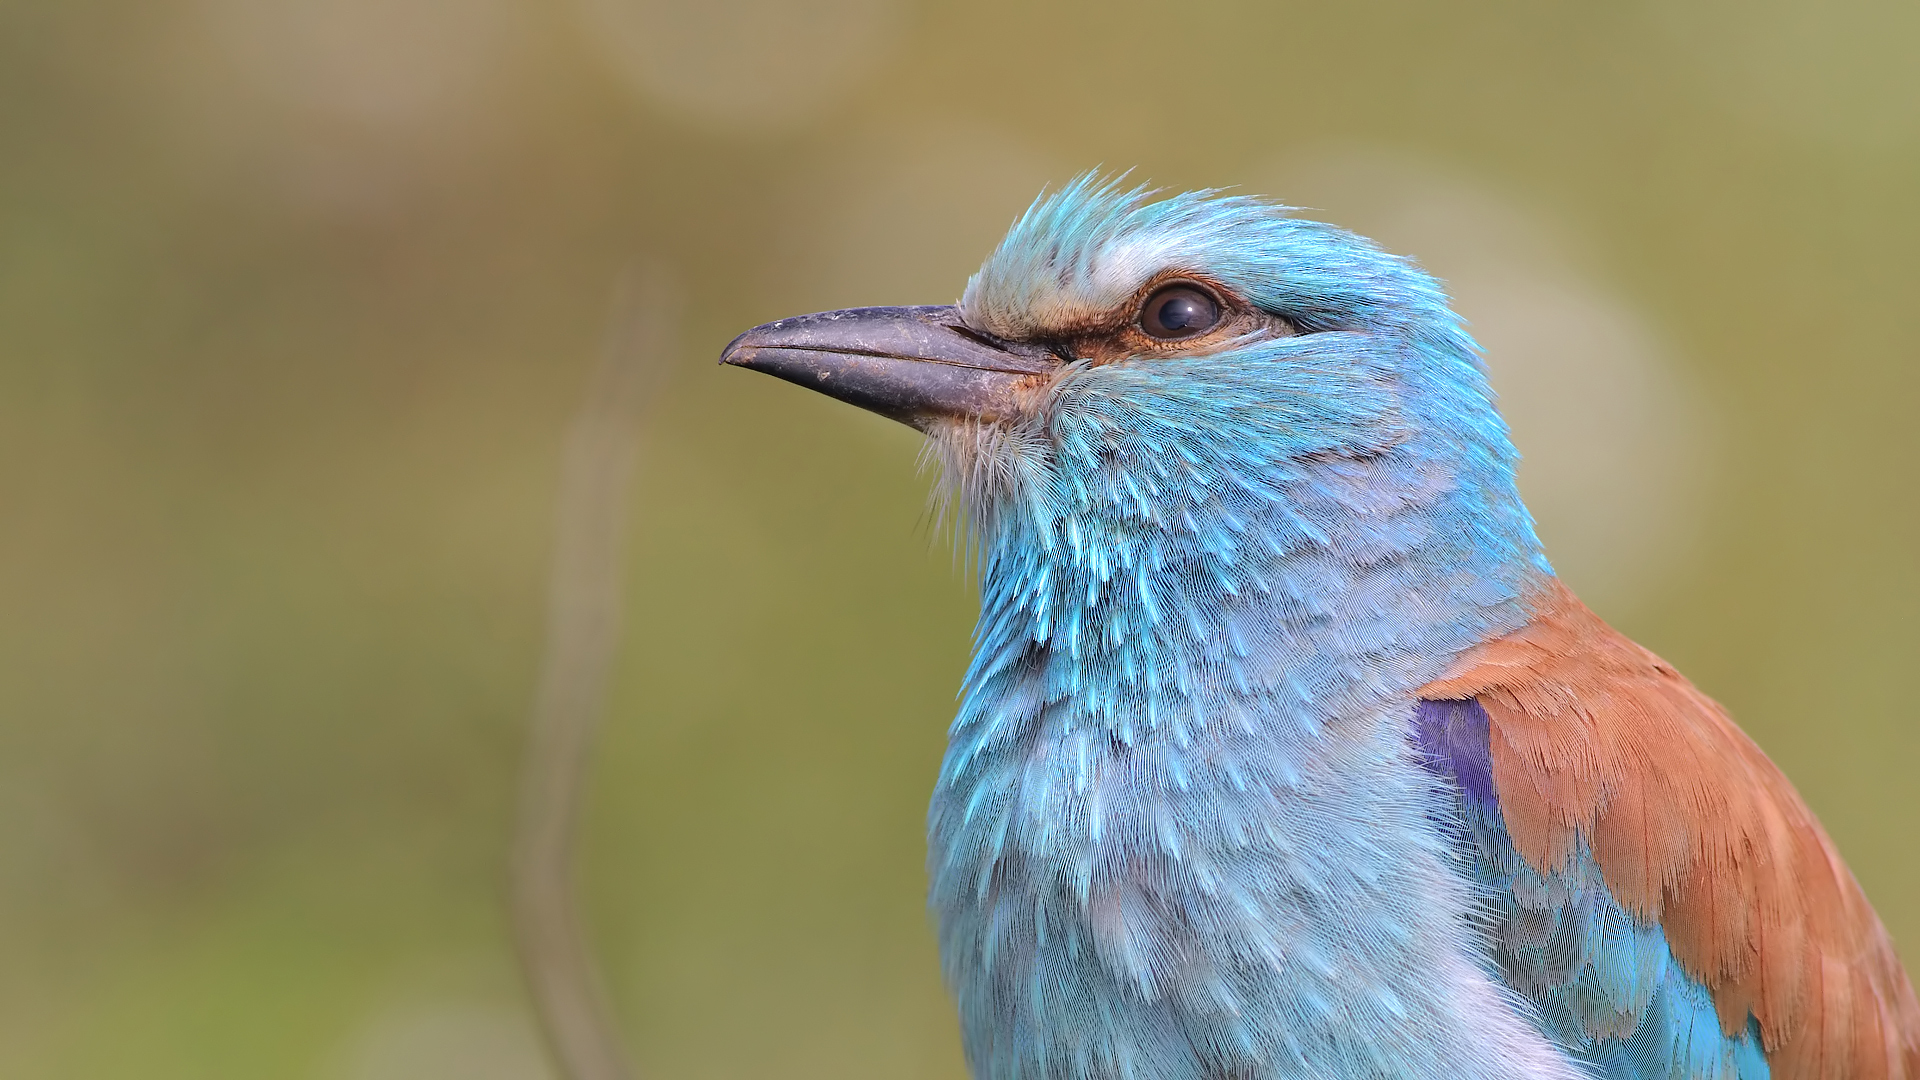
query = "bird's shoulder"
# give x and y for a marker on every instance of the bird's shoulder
(1618, 793)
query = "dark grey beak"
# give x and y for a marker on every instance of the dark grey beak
(914, 364)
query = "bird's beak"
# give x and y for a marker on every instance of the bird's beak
(913, 364)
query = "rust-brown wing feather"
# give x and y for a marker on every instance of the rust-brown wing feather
(1593, 737)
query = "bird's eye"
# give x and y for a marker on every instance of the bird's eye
(1179, 310)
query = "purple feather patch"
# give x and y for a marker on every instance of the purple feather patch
(1452, 737)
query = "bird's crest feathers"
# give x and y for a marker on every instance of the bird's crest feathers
(1077, 253)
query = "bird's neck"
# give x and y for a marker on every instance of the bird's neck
(1316, 593)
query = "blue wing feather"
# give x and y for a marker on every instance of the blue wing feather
(1606, 986)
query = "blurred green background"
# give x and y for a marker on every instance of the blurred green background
(297, 296)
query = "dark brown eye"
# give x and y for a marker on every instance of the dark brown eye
(1179, 310)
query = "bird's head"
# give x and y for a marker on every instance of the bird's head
(1156, 363)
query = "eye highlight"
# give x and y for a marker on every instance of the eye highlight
(1177, 310)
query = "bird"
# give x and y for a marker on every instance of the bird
(1282, 750)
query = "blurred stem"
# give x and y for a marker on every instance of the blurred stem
(583, 631)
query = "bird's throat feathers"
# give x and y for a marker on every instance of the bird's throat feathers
(1301, 526)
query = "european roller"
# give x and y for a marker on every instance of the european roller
(1283, 752)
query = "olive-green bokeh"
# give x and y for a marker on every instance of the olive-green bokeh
(282, 393)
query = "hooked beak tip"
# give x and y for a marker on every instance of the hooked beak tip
(735, 355)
